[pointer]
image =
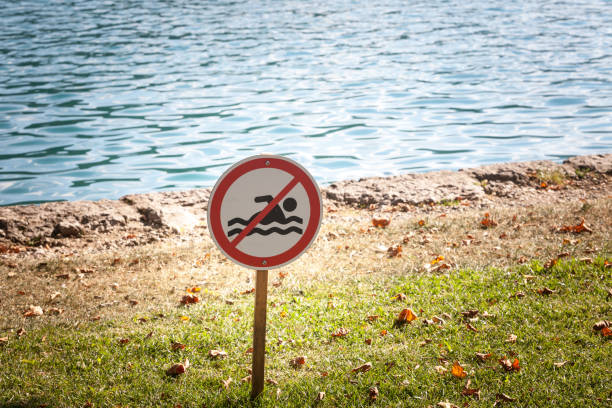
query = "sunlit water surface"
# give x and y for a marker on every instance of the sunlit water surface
(103, 98)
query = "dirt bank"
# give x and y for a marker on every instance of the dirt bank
(146, 218)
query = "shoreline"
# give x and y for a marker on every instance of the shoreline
(146, 218)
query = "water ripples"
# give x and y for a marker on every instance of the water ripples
(100, 99)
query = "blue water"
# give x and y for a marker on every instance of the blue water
(103, 98)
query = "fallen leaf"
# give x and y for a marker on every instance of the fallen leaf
(576, 229)
(399, 296)
(194, 289)
(439, 258)
(21, 332)
(271, 381)
(510, 365)
(487, 221)
(511, 338)
(55, 295)
(483, 356)
(55, 310)
(467, 391)
(214, 354)
(341, 332)
(176, 370)
(177, 346)
(602, 324)
(560, 364)
(373, 318)
(470, 313)
(505, 398)
(606, 331)
(133, 302)
(368, 341)
(380, 222)
(320, 396)
(457, 370)
(405, 316)
(246, 379)
(184, 318)
(33, 311)
(517, 295)
(545, 291)
(438, 320)
(421, 223)
(471, 328)
(63, 276)
(189, 299)
(324, 374)
(383, 332)
(362, 368)
(298, 361)
(226, 383)
(4, 340)
(373, 393)
(394, 251)
(248, 291)
(249, 350)
(446, 404)
(124, 341)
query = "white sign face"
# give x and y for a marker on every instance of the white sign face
(264, 212)
(281, 228)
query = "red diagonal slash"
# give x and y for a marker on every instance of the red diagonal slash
(265, 212)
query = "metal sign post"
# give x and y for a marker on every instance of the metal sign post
(263, 213)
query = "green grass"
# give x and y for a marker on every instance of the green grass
(72, 366)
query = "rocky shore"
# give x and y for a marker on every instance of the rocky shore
(144, 218)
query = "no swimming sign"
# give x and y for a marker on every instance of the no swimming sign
(264, 211)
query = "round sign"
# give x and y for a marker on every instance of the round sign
(264, 212)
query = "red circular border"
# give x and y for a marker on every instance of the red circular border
(229, 177)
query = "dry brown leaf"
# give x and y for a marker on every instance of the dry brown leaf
(505, 398)
(362, 368)
(124, 341)
(470, 313)
(399, 296)
(214, 354)
(576, 229)
(483, 356)
(373, 393)
(246, 379)
(298, 361)
(55, 310)
(176, 370)
(510, 365)
(341, 332)
(606, 331)
(471, 328)
(446, 404)
(226, 383)
(21, 332)
(457, 370)
(405, 316)
(487, 221)
(368, 341)
(4, 340)
(248, 291)
(177, 346)
(545, 291)
(394, 251)
(560, 364)
(33, 311)
(320, 396)
(373, 318)
(189, 299)
(271, 381)
(511, 338)
(467, 391)
(381, 222)
(602, 324)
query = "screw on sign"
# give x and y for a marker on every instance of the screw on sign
(263, 213)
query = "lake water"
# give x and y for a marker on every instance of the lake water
(104, 98)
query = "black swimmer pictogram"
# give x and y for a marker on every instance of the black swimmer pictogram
(276, 214)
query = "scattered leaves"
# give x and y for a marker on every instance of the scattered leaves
(470, 392)
(510, 365)
(483, 356)
(177, 346)
(545, 291)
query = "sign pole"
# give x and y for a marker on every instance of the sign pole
(259, 333)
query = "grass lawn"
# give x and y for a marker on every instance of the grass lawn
(555, 357)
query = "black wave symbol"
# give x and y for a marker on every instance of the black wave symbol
(273, 230)
(265, 221)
